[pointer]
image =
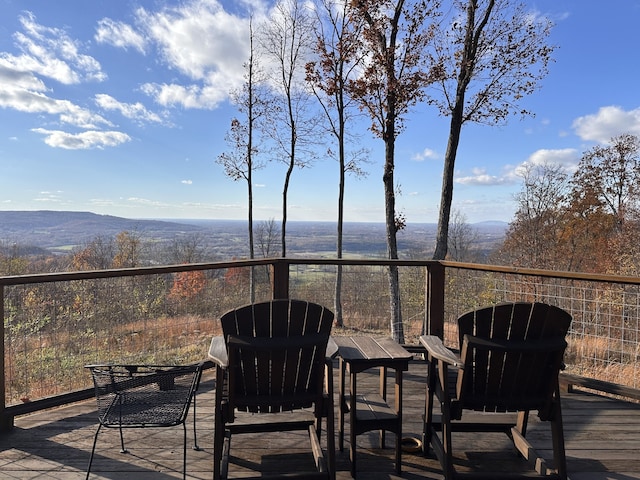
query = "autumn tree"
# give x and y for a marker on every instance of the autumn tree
(336, 64)
(605, 201)
(493, 53)
(286, 41)
(187, 285)
(127, 250)
(395, 72)
(587, 222)
(98, 254)
(241, 160)
(608, 177)
(11, 261)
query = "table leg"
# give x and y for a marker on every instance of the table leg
(352, 423)
(383, 394)
(341, 404)
(398, 401)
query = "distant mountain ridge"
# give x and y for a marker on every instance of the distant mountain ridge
(48, 228)
(61, 230)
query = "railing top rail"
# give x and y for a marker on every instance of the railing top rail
(592, 277)
(135, 271)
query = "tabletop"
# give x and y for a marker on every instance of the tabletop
(372, 351)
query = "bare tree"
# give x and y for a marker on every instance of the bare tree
(287, 41)
(241, 160)
(493, 53)
(187, 249)
(394, 42)
(462, 237)
(534, 237)
(328, 76)
(267, 240)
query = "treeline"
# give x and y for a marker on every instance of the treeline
(587, 220)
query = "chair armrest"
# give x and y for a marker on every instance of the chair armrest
(218, 352)
(437, 350)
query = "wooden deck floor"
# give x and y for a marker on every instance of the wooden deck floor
(602, 437)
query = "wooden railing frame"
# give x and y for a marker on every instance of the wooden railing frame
(434, 300)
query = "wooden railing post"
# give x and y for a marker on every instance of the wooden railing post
(434, 292)
(280, 279)
(6, 422)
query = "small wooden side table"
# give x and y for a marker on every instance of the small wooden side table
(370, 411)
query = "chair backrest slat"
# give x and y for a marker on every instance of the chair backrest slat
(276, 354)
(512, 354)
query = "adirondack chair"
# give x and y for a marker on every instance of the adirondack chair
(272, 359)
(139, 396)
(509, 361)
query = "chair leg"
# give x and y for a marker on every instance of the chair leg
(428, 407)
(331, 440)
(557, 434)
(447, 458)
(184, 450)
(93, 449)
(219, 430)
(196, 447)
(122, 448)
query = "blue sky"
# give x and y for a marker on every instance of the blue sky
(121, 108)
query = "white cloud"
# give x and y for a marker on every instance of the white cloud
(51, 53)
(190, 96)
(119, 35)
(567, 158)
(83, 140)
(18, 96)
(426, 154)
(205, 43)
(481, 177)
(47, 53)
(609, 122)
(187, 182)
(134, 111)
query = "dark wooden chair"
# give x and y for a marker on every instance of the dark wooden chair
(139, 396)
(272, 358)
(509, 360)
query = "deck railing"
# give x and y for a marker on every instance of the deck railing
(54, 324)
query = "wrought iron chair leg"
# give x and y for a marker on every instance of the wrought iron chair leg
(196, 447)
(184, 451)
(122, 449)
(93, 449)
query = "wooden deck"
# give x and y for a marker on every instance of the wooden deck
(602, 437)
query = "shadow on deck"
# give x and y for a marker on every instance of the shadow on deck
(602, 438)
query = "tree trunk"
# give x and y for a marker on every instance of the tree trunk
(397, 330)
(457, 119)
(446, 199)
(338, 291)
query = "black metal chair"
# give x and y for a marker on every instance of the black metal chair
(509, 361)
(140, 396)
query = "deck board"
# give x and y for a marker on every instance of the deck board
(602, 436)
